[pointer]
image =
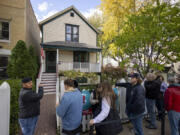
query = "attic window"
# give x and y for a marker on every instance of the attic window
(72, 14)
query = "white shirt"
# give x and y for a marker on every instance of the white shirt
(105, 109)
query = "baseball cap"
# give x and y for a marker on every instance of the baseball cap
(26, 80)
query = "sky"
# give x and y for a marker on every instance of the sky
(46, 8)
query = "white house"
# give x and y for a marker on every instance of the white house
(69, 42)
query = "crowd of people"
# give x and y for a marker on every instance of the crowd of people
(141, 97)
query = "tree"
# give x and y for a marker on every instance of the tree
(34, 58)
(20, 64)
(97, 20)
(115, 12)
(151, 37)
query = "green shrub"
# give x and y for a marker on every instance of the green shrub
(34, 58)
(15, 86)
(112, 74)
(21, 63)
(77, 74)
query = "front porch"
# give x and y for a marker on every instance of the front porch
(71, 56)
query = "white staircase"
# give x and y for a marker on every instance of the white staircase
(49, 82)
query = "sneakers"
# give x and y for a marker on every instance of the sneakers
(151, 127)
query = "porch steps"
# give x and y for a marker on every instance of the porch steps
(49, 82)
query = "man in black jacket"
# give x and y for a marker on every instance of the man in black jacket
(29, 106)
(135, 102)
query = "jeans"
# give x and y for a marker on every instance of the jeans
(174, 119)
(150, 103)
(28, 125)
(137, 124)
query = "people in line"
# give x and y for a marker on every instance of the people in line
(106, 112)
(172, 105)
(151, 88)
(70, 109)
(29, 106)
(104, 106)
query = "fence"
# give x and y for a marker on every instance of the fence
(4, 108)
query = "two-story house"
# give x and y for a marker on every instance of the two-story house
(17, 22)
(69, 42)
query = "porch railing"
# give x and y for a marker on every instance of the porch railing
(79, 66)
(41, 69)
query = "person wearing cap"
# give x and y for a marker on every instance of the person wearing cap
(135, 102)
(29, 106)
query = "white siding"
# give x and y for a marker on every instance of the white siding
(55, 30)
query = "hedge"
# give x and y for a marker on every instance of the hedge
(15, 86)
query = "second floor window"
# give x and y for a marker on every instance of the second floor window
(4, 30)
(72, 33)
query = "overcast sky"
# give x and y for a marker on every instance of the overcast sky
(46, 8)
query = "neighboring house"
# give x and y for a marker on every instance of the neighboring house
(17, 22)
(69, 42)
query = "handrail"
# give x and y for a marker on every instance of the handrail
(38, 80)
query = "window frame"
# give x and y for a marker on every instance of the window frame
(79, 54)
(72, 32)
(5, 40)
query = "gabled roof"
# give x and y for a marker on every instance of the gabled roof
(51, 18)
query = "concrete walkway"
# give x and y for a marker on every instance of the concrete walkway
(47, 120)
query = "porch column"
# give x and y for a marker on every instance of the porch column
(57, 59)
(44, 61)
(100, 61)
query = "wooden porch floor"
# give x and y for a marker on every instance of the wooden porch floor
(47, 120)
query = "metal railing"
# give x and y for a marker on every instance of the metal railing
(79, 66)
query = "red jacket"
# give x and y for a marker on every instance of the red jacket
(172, 98)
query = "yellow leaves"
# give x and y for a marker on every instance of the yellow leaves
(110, 28)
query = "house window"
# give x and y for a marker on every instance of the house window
(4, 30)
(72, 33)
(81, 60)
(72, 14)
(81, 56)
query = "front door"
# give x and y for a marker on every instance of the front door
(51, 61)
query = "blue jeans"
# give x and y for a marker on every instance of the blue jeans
(28, 125)
(137, 124)
(150, 103)
(174, 119)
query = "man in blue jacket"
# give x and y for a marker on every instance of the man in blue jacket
(70, 109)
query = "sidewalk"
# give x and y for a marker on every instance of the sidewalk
(47, 120)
